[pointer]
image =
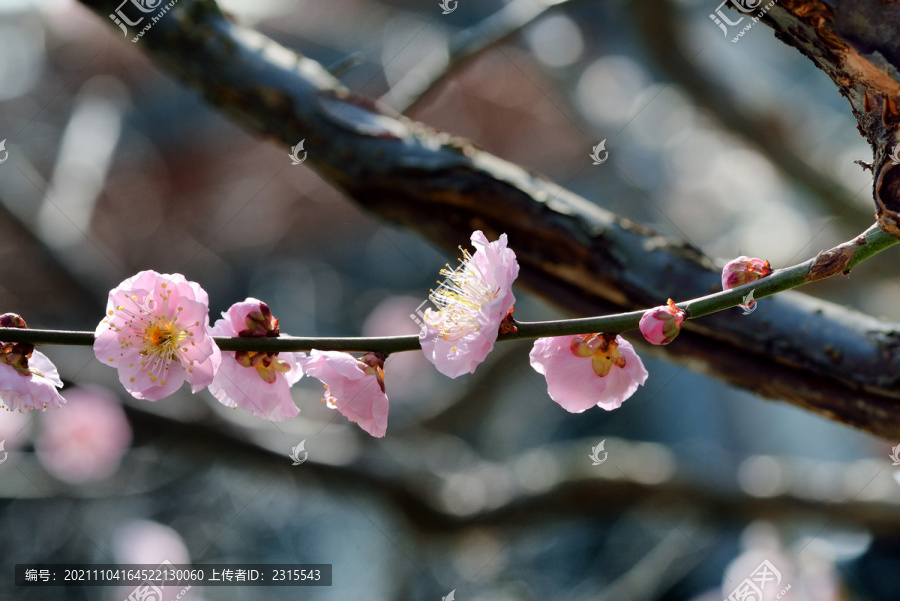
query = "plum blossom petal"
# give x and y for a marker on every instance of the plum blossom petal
(592, 369)
(85, 441)
(355, 387)
(258, 382)
(660, 325)
(34, 390)
(28, 379)
(472, 304)
(156, 333)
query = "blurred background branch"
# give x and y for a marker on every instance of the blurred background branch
(424, 79)
(435, 488)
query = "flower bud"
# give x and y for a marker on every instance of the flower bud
(662, 324)
(12, 320)
(744, 270)
(260, 323)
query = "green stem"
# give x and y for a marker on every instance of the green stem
(839, 259)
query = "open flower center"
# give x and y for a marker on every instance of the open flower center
(460, 297)
(163, 336)
(267, 365)
(602, 349)
(159, 337)
(162, 339)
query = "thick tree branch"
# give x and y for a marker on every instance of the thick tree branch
(855, 43)
(837, 362)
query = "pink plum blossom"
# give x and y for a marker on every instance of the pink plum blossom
(85, 441)
(472, 304)
(36, 390)
(587, 370)
(355, 387)
(258, 382)
(28, 379)
(661, 325)
(156, 333)
(744, 270)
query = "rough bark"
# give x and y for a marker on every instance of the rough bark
(814, 354)
(855, 43)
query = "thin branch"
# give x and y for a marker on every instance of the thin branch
(838, 260)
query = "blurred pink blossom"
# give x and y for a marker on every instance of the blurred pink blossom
(85, 441)
(592, 369)
(472, 303)
(14, 429)
(355, 387)
(412, 376)
(144, 541)
(152, 543)
(660, 325)
(258, 382)
(156, 333)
